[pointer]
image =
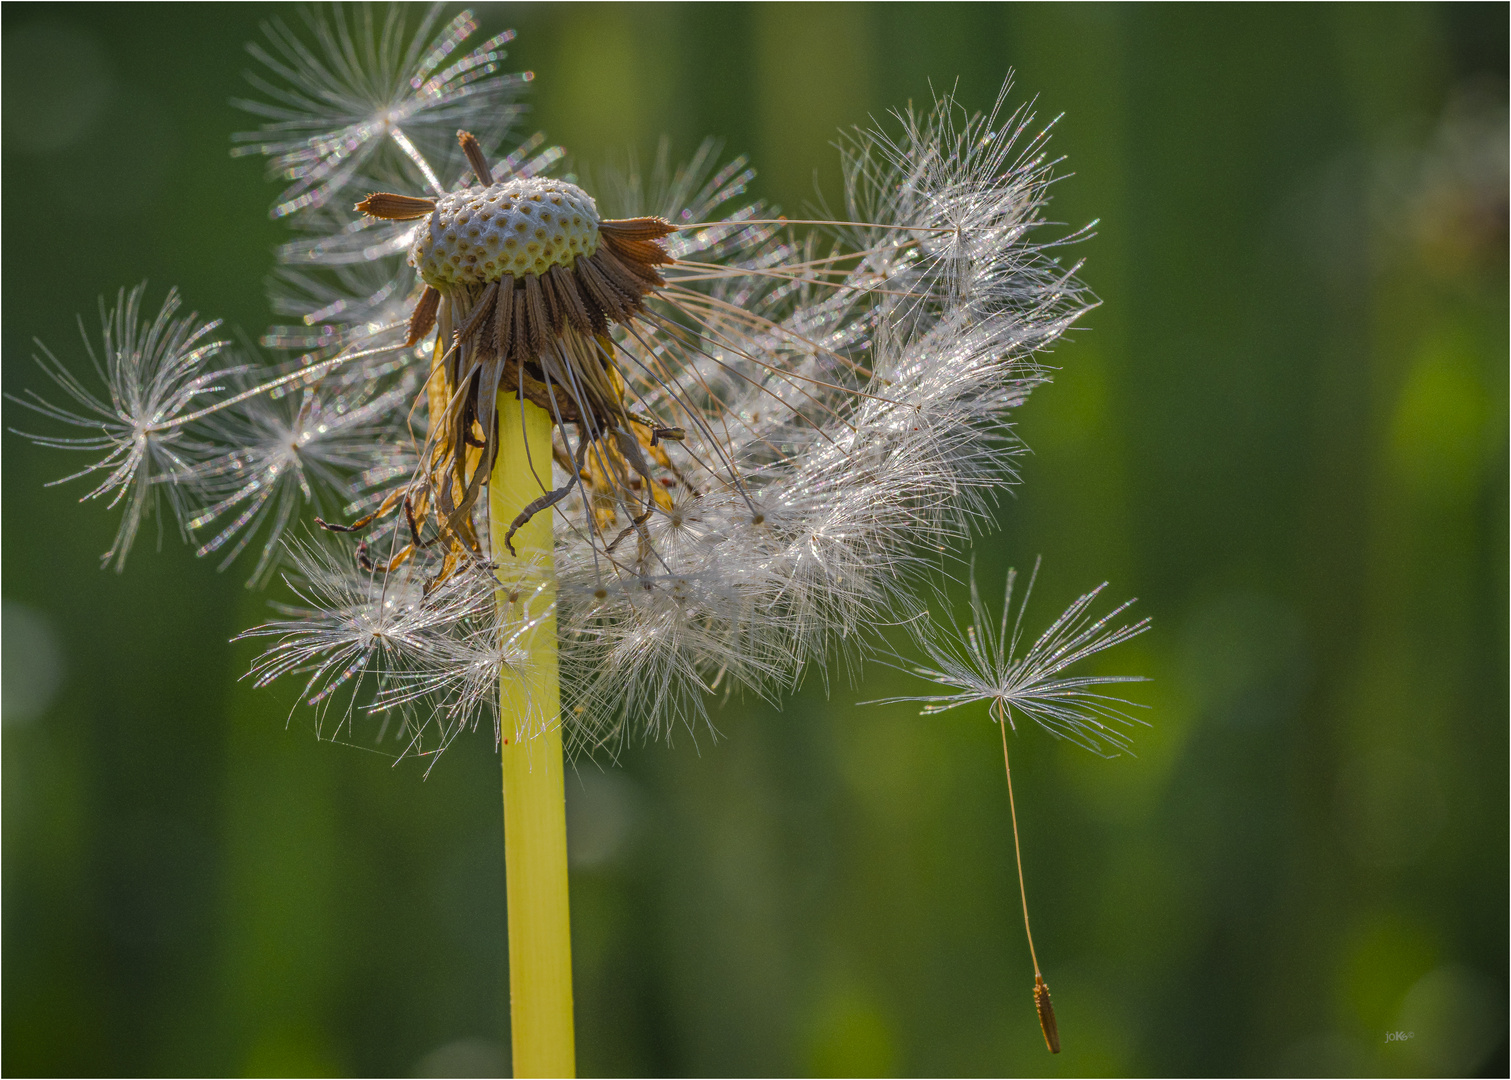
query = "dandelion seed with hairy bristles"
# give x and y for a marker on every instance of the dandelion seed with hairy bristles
(983, 662)
(300, 450)
(365, 99)
(434, 657)
(153, 374)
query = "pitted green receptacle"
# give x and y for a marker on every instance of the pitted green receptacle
(518, 227)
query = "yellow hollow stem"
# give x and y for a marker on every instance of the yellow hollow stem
(535, 821)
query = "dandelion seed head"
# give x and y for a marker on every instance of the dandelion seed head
(762, 432)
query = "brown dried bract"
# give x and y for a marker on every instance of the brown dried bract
(389, 207)
(422, 319)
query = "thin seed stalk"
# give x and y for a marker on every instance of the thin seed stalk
(1043, 1005)
(535, 823)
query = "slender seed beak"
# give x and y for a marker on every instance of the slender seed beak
(1042, 1004)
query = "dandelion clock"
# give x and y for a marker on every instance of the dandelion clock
(557, 462)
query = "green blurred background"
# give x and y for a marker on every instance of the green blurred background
(1285, 429)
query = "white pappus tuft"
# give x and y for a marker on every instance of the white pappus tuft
(239, 445)
(982, 662)
(299, 449)
(368, 99)
(392, 647)
(154, 375)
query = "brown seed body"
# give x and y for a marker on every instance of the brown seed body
(1046, 1015)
